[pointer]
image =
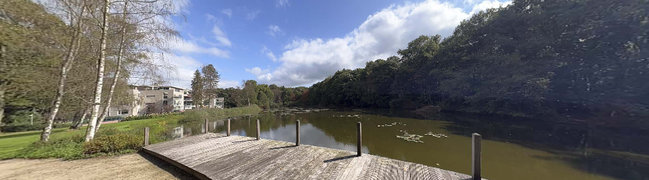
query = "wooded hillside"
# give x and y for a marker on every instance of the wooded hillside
(534, 58)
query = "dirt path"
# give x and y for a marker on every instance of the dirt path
(130, 166)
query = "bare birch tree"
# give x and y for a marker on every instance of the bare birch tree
(101, 61)
(68, 60)
(3, 51)
(144, 31)
(120, 54)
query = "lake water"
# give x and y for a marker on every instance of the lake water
(512, 149)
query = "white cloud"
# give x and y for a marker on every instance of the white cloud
(252, 15)
(282, 3)
(274, 30)
(185, 67)
(268, 53)
(307, 61)
(227, 12)
(183, 46)
(229, 84)
(488, 4)
(262, 74)
(220, 36)
(471, 2)
(177, 70)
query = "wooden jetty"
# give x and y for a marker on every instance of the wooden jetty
(218, 156)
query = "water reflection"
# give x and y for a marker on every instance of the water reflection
(511, 149)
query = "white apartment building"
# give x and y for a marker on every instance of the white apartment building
(159, 99)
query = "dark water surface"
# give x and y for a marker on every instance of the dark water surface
(512, 149)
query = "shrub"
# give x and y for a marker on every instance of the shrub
(214, 113)
(149, 116)
(19, 127)
(115, 143)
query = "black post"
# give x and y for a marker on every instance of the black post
(257, 129)
(476, 155)
(359, 144)
(207, 126)
(297, 132)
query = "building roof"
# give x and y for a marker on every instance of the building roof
(155, 87)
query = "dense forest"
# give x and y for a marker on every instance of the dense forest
(263, 95)
(573, 59)
(205, 86)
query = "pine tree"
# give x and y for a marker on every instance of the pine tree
(197, 89)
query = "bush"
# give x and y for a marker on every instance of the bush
(113, 118)
(149, 116)
(115, 143)
(21, 127)
(214, 113)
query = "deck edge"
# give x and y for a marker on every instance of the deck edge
(189, 170)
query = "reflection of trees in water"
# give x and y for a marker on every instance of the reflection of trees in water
(622, 167)
(580, 138)
(556, 135)
(379, 141)
(335, 128)
(268, 121)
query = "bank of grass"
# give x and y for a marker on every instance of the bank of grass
(202, 114)
(11, 143)
(116, 138)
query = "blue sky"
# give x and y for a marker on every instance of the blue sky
(298, 43)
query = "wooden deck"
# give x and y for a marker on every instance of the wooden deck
(215, 156)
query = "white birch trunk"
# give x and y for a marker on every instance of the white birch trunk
(2, 105)
(119, 67)
(2, 85)
(67, 64)
(94, 115)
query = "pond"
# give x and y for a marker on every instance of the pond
(512, 149)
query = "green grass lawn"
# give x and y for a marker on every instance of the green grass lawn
(11, 143)
(68, 144)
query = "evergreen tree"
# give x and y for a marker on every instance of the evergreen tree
(197, 89)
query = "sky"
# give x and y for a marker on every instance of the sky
(298, 43)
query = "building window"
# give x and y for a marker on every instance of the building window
(150, 96)
(123, 112)
(164, 103)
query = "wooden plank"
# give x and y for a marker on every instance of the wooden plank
(215, 156)
(258, 132)
(146, 136)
